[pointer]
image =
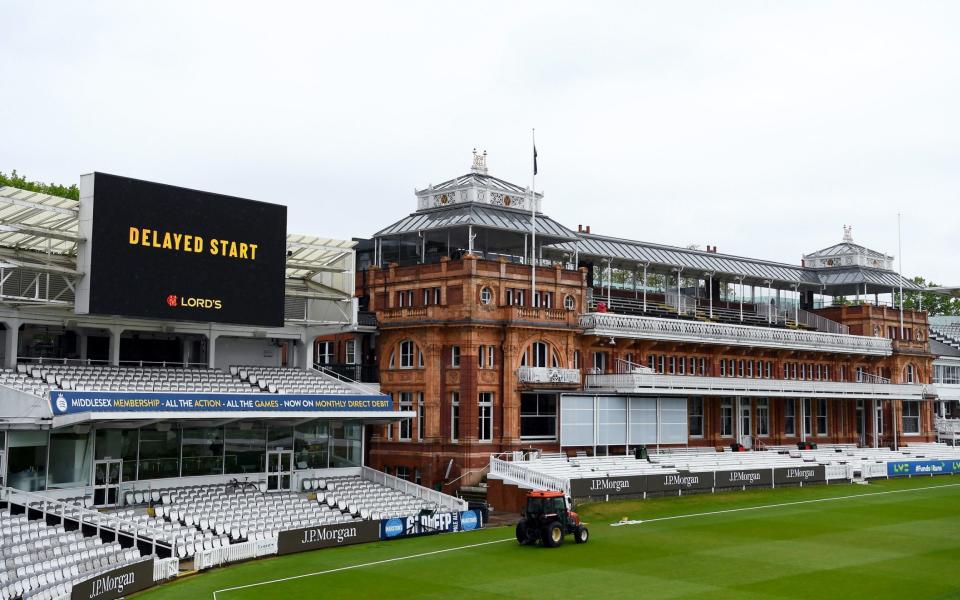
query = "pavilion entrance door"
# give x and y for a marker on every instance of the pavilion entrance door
(279, 470)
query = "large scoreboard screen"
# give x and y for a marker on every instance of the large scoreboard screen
(164, 252)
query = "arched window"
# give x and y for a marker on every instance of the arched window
(540, 354)
(569, 302)
(909, 375)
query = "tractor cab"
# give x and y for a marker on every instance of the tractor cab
(547, 517)
(548, 504)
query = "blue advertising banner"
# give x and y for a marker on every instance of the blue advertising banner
(65, 402)
(430, 523)
(923, 467)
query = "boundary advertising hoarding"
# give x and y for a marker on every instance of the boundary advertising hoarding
(327, 536)
(686, 481)
(117, 583)
(427, 524)
(923, 467)
(627, 485)
(65, 402)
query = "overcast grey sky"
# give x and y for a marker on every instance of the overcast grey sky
(761, 127)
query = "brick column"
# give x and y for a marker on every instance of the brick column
(510, 394)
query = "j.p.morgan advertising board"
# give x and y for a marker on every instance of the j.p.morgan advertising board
(327, 536)
(118, 583)
(159, 251)
(687, 481)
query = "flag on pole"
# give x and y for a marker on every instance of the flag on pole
(534, 159)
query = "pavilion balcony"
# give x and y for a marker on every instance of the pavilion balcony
(548, 376)
(683, 385)
(654, 328)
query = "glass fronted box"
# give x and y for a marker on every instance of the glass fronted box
(38, 460)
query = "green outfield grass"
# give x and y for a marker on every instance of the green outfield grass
(898, 545)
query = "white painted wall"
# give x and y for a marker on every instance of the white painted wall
(239, 351)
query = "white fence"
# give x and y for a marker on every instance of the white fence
(418, 491)
(838, 472)
(519, 474)
(639, 327)
(871, 470)
(215, 557)
(165, 568)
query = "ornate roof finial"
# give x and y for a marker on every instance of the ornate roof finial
(479, 162)
(848, 233)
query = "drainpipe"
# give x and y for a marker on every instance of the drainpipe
(679, 271)
(645, 265)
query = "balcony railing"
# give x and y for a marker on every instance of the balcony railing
(529, 313)
(361, 373)
(517, 472)
(548, 375)
(638, 327)
(734, 386)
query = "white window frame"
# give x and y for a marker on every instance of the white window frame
(763, 417)
(485, 416)
(405, 402)
(695, 412)
(726, 417)
(790, 416)
(325, 352)
(486, 295)
(421, 417)
(569, 302)
(455, 357)
(823, 414)
(407, 349)
(350, 352)
(540, 354)
(454, 416)
(913, 417)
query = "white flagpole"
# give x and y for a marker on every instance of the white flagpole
(900, 257)
(533, 222)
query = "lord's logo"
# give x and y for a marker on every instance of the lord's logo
(175, 301)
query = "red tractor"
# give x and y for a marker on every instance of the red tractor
(547, 518)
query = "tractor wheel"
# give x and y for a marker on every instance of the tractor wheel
(552, 535)
(581, 534)
(523, 534)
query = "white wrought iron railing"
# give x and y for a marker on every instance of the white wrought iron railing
(100, 521)
(518, 473)
(625, 366)
(547, 375)
(685, 384)
(864, 377)
(165, 568)
(947, 426)
(683, 304)
(642, 327)
(444, 501)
